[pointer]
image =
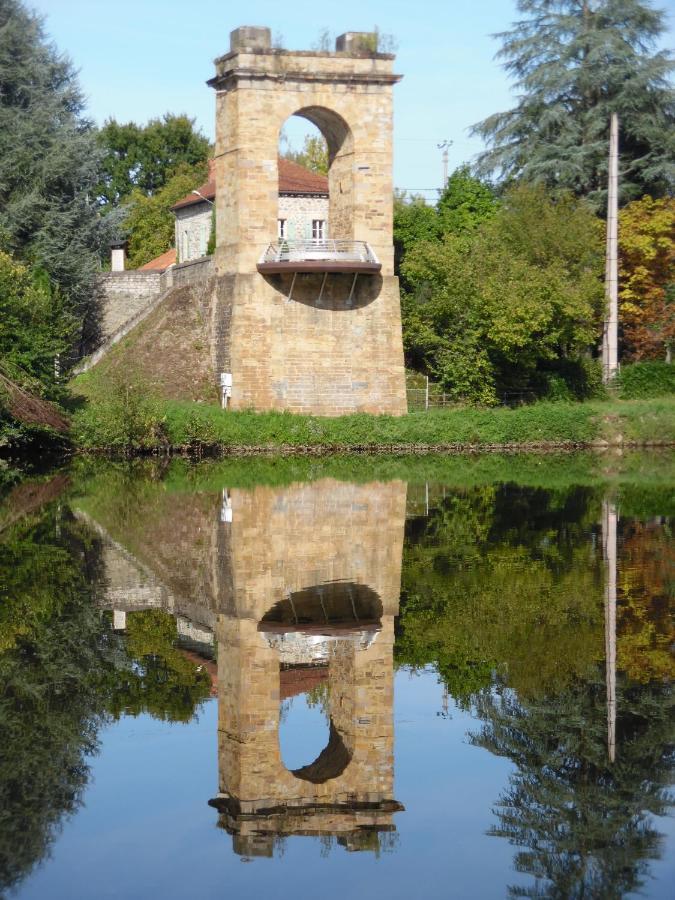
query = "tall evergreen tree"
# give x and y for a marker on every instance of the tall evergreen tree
(48, 166)
(574, 63)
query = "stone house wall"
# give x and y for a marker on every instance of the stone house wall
(193, 223)
(299, 212)
(192, 231)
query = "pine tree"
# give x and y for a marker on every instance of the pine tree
(574, 63)
(48, 167)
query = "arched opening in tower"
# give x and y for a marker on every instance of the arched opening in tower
(315, 222)
(304, 193)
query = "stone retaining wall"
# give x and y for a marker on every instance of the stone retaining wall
(123, 296)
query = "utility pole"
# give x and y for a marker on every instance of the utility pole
(610, 335)
(444, 146)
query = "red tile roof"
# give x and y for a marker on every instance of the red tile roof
(160, 263)
(293, 179)
(299, 679)
(296, 179)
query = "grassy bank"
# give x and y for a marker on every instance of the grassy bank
(132, 422)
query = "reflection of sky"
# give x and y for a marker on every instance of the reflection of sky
(146, 829)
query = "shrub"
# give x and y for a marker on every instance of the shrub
(129, 418)
(646, 379)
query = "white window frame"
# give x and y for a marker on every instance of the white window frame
(282, 229)
(318, 229)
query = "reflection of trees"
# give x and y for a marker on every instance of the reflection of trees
(151, 675)
(50, 671)
(501, 578)
(62, 673)
(503, 594)
(646, 582)
(583, 824)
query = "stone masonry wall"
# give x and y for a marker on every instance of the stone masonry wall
(124, 294)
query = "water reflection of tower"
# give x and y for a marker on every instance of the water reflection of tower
(314, 579)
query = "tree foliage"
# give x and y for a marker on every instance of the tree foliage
(574, 63)
(647, 277)
(48, 167)
(145, 158)
(149, 221)
(313, 156)
(36, 325)
(508, 304)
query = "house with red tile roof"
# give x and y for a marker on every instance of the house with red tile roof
(303, 211)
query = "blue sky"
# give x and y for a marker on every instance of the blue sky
(141, 59)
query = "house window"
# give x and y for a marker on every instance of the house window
(318, 229)
(185, 247)
(283, 228)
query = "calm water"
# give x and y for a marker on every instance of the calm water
(391, 678)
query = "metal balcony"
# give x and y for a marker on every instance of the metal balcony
(351, 257)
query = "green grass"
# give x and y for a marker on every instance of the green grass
(142, 423)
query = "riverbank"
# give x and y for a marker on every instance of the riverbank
(136, 424)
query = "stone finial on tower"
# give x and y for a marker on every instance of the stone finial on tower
(357, 43)
(250, 37)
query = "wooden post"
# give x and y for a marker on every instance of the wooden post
(610, 337)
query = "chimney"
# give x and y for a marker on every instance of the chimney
(118, 256)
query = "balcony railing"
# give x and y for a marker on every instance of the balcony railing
(319, 256)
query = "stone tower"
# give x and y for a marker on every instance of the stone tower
(310, 327)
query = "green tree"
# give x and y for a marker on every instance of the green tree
(414, 221)
(313, 156)
(144, 158)
(36, 325)
(465, 203)
(48, 168)
(508, 305)
(149, 221)
(574, 63)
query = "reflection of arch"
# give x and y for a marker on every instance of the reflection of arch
(332, 607)
(330, 763)
(324, 624)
